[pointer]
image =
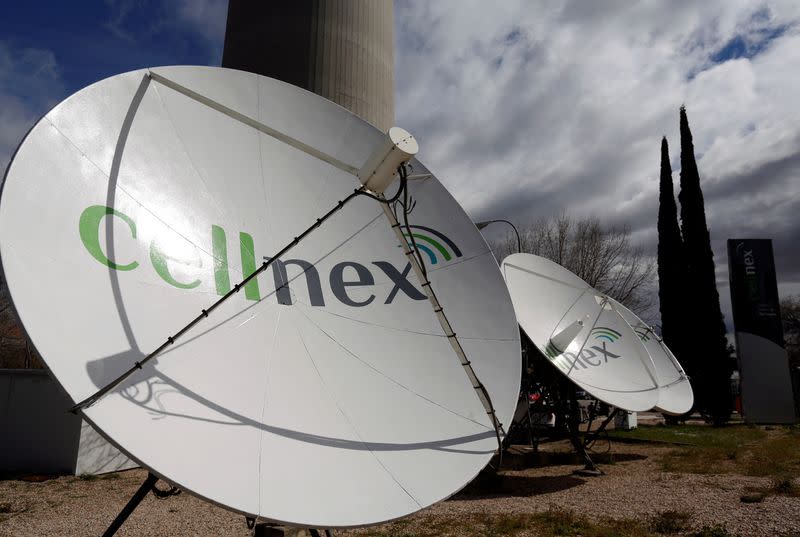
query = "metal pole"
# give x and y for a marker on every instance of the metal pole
(137, 498)
(587, 438)
(481, 225)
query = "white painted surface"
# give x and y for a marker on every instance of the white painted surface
(97, 456)
(625, 420)
(326, 416)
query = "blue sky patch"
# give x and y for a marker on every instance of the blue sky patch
(750, 46)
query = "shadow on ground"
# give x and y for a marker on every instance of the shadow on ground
(491, 485)
(521, 459)
(24, 476)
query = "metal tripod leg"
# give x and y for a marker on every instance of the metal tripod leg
(534, 446)
(137, 498)
(572, 426)
(588, 438)
(572, 422)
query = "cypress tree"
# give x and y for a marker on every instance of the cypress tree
(706, 332)
(671, 266)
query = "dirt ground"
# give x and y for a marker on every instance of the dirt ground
(634, 487)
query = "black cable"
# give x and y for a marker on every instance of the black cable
(393, 201)
(165, 493)
(405, 205)
(400, 190)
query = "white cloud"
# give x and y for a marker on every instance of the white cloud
(203, 18)
(206, 17)
(526, 108)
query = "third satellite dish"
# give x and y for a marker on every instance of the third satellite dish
(580, 331)
(325, 391)
(675, 394)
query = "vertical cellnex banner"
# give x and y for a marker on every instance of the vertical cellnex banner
(763, 364)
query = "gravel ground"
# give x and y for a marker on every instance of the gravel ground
(637, 489)
(633, 488)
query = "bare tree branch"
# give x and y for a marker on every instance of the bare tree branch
(602, 256)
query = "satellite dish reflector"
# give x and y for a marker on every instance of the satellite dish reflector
(675, 390)
(324, 392)
(603, 354)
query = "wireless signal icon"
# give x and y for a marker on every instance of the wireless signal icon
(551, 350)
(434, 244)
(642, 333)
(605, 333)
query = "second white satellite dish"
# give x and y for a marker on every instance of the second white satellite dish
(325, 392)
(578, 330)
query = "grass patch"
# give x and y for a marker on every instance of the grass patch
(670, 522)
(502, 525)
(696, 435)
(778, 455)
(554, 522)
(564, 523)
(786, 486)
(740, 449)
(561, 522)
(699, 461)
(783, 485)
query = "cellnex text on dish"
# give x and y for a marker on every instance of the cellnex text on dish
(89, 229)
(587, 356)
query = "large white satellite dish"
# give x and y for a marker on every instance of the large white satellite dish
(675, 394)
(578, 329)
(325, 393)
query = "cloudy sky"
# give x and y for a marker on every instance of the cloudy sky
(523, 109)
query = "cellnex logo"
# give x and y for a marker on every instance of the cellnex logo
(92, 218)
(605, 333)
(750, 273)
(590, 356)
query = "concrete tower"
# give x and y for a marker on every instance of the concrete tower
(342, 50)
